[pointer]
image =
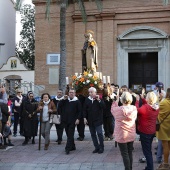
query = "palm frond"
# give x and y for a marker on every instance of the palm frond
(165, 2)
(18, 5)
(82, 10)
(47, 12)
(99, 5)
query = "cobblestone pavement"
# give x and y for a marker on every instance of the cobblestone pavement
(30, 158)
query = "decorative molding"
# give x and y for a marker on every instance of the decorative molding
(138, 33)
(21, 62)
(98, 17)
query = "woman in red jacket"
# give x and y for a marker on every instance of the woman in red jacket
(147, 115)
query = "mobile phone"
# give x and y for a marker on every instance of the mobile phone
(159, 89)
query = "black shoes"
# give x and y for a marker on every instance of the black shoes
(15, 135)
(59, 142)
(95, 151)
(99, 151)
(73, 148)
(24, 143)
(2, 147)
(67, 152)
(80, 138)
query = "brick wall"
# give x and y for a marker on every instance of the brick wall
(117, 16)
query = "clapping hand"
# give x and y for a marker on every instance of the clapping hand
(50, 111)
(65, 97)
(137, 97)
(40, 107)
(85, 121)
(77, 122)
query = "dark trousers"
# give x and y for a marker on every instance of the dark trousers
(126, 150)
(81, 128)
(70, 129)
(98, 130)
(108, 126)
(146, 142)
(18, 119)
(59, 129)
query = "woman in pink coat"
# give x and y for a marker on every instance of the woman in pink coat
(125, 129)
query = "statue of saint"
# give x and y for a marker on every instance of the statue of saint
(89, 52)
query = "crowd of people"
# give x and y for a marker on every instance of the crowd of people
(119, 112)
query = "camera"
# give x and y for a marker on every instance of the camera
(159, 89)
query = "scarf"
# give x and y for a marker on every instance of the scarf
(20, 97)
(46, 103)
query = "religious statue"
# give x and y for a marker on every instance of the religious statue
(89, 53)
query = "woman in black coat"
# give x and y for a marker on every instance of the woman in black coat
(29, 114)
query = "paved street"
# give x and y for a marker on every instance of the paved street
(30, 158)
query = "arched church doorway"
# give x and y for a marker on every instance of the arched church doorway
(148, 44)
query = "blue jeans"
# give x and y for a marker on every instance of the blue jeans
(146, 142)
(93, 130)
(159, 151)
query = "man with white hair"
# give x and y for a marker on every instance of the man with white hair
(93, 116)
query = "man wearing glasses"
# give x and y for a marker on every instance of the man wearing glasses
(17, 112)
(71, 112)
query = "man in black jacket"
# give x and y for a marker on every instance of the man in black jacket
(70, 110)
(93, 116)
(59, 127)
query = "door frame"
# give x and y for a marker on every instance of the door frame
(138, 40)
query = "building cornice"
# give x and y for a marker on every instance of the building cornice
(97, 17)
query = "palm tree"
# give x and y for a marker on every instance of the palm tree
(63, 7)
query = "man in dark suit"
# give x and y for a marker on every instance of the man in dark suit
(70, 110)
(93, 116)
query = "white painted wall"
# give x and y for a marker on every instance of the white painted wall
(7, 30)
(27, 76)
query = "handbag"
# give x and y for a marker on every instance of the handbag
(159, 123)
(55, 119)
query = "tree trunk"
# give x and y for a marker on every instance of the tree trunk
(62, 70)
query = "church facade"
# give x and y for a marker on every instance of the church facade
(132, 37)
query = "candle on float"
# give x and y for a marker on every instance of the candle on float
(108, 79)
(76, 74)
(100, 75)
(104, 79)
(67, 81)
(96, 74)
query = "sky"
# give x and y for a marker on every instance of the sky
(18, 24)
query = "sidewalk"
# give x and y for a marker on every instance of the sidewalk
(30, 158)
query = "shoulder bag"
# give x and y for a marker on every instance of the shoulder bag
(159, 123)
